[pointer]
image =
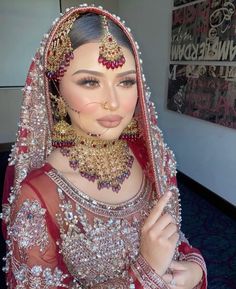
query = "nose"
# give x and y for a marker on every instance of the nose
(112, 101)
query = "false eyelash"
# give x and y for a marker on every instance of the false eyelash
(87, 79)
(129, 79)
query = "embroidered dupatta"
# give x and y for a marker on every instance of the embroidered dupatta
(28, 157)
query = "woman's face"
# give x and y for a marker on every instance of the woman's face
(105, 98)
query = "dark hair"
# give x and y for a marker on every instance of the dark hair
(88, 28)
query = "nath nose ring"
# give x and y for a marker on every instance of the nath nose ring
(106, 105)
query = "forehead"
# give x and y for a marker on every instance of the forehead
(86, 57)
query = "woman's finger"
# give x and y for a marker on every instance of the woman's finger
(157, 210)
(167, 278)
(162, 224)
(177, 265)
(174, 238)
(171, 281)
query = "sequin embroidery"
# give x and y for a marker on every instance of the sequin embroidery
(37, 277)
(98, 249)
(29, 228)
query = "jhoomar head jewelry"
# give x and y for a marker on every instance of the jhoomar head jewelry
(110, 53)
(60, 52)
(107, 162)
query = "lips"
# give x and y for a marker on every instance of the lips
(110, 121)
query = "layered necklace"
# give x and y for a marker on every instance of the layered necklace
(106, 162)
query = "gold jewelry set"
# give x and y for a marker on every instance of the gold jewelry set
(106, 162)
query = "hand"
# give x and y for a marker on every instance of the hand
(159, 237)
(186, 275)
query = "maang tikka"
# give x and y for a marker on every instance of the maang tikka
(110, 53)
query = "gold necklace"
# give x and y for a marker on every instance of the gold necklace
(107, 162)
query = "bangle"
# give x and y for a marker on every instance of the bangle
(146, 275)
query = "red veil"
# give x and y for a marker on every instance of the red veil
(34, 144)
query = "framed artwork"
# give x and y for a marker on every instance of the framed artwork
(205, 31)
(204, 91)
(182, 2)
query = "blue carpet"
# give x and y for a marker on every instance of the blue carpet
(212, 232)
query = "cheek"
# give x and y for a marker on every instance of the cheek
(79, 100)
(88, 107)
(130, 103)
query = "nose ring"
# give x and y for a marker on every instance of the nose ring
(105, 105)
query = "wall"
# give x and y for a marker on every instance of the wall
(22, 25)
(111, 6)
(205, 152)
(10, 100)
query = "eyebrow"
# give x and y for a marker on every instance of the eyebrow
(97, 73)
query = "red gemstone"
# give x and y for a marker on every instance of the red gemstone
(110, 39)
(23, 132)
(23, 149)
(100, 59)
(108, 65)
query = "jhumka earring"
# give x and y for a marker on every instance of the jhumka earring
(110, 53)
(63, 135)
(131, 132)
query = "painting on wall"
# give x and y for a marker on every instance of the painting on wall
(204, 31)
(182, 2)
(207, 92)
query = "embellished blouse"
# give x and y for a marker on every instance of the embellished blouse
(63, 238)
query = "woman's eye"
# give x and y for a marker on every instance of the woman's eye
(127, 83)
(90, 83)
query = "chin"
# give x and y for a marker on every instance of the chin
(111, 135)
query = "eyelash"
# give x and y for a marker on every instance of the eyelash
(87, 81)
(91, 82)
(129, 82)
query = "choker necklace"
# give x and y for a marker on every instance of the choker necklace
(107, 162)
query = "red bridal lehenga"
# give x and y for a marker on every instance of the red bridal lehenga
(59, 237)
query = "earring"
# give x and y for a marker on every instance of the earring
(131, 132)
(63, 135)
